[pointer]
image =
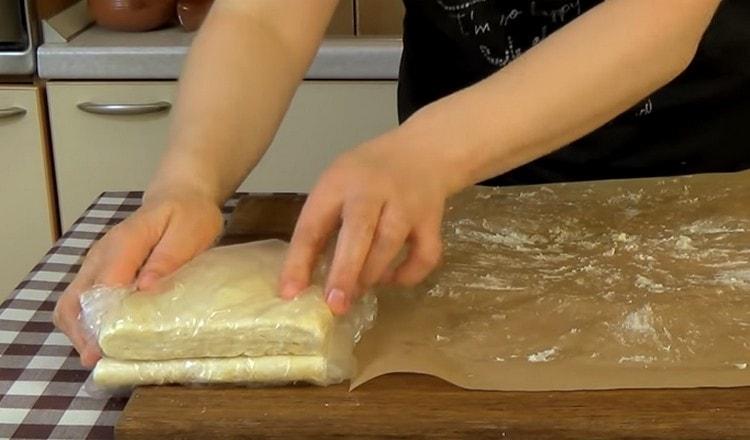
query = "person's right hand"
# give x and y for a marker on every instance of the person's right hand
(162, 235)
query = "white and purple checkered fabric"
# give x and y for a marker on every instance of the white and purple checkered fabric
(41, 380)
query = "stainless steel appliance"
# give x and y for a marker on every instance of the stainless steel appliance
(17, 38)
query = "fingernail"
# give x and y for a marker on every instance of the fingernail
(337, 300)
(147, 280)
(388, 276)
(289, 291)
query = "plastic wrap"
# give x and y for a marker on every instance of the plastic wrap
(219, 319)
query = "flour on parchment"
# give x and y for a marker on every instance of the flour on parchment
(642, 278)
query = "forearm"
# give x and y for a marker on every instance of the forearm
(573, 82)
(238, 81)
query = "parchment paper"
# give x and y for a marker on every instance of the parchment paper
(617, 284)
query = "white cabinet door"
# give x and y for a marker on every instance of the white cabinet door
(105, 152)
(27, 230)
(325, 119)
(96, 152)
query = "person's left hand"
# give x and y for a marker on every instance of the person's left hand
(383, 195)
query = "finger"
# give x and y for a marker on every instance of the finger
(66, 315)
(360, 219)
(390, 236)
(67, 318)
(319, 217)
(424, 256)
(90, 355)
(181, 241)
(122, 252)
(387, 276)
(113, 260)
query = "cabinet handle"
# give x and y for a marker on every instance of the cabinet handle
(125, 109)
(10, 112)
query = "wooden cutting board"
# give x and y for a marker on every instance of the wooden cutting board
(412, 406)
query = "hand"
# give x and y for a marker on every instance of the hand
(165, 233)
(383, 195)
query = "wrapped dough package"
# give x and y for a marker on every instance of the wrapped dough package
(219, 319)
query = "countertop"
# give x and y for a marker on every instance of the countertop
(42, 394)
(99, 54)
(417, 407)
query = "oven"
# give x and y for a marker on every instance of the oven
(17, 38)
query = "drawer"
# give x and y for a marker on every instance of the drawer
(28, 223)
(104, 152)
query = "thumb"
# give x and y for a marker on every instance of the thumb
(179, 244)
(90, 354)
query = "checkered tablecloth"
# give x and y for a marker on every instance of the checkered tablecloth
(41, 379)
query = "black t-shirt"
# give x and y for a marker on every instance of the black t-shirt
(700, 122)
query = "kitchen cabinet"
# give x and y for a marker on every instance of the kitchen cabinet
(28, 224)
(108, 136)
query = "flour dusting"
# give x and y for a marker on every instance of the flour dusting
(543, 356)
(736, 279)
(653, 277)
(642, 282)
(640, 321)
(639, 358)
